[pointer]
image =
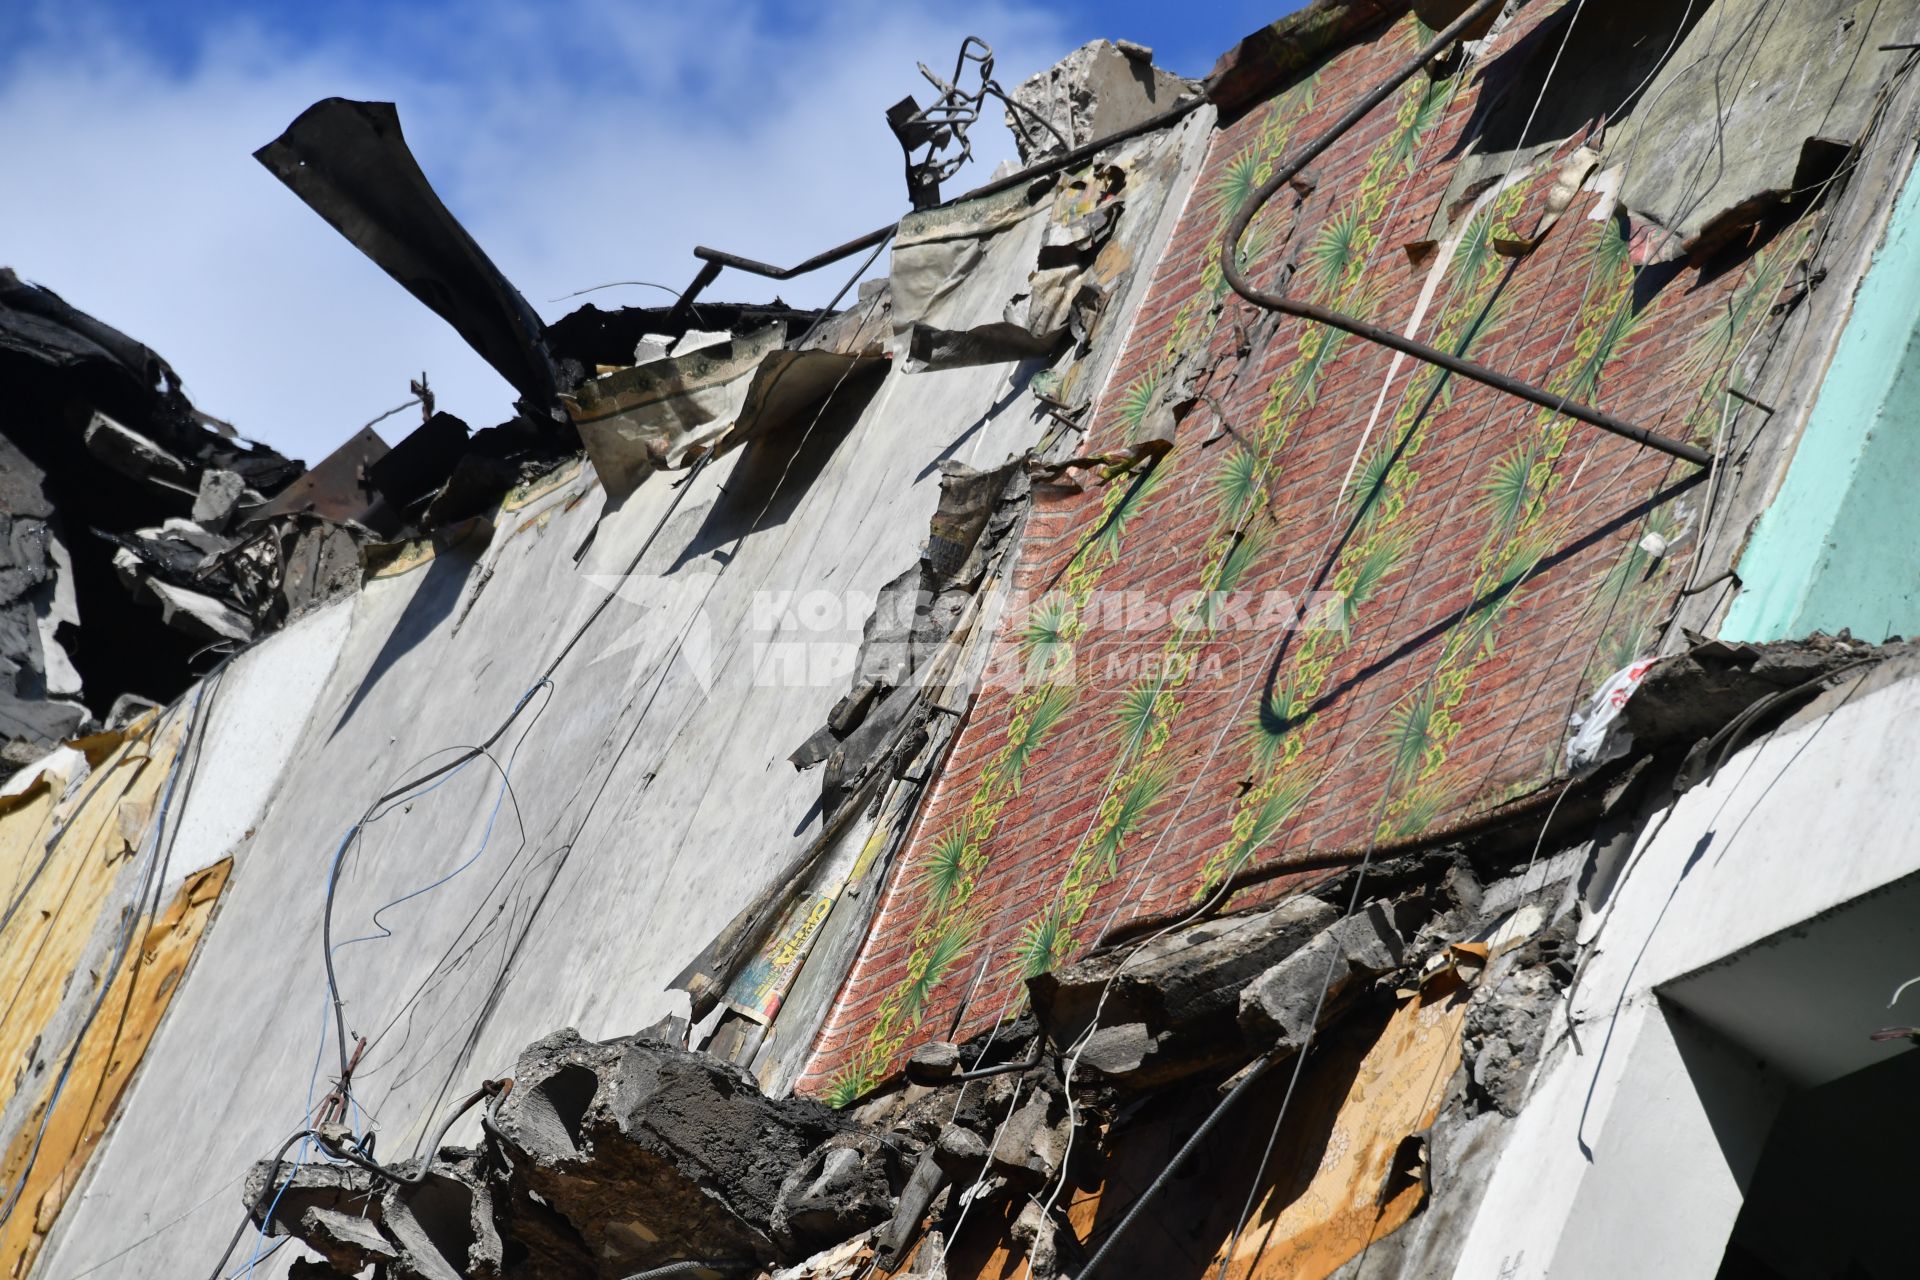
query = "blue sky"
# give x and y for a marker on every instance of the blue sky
(580, 140)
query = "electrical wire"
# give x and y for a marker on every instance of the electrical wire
(469, 754)
(273, 1167)
(399, 793)
(1293, 1081)
(1112, 778)
(1253, 1076)
(504, 792)
(1212, 901)
(155, 1233)
(1359, 880)
(1125, 759)
(1721, 450)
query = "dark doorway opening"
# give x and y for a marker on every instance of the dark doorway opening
(1833, 1196)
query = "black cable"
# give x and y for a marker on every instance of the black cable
(1258, 1070)
(923, 1077)
(494, 1090)
(852, 280)
(726, 1266)
(355, 1155)
(1235, 274)
(259, 1201)
(468, 755)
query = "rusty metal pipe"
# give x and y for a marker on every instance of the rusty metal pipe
(1311, 150)
(717, 258)
(713, 260)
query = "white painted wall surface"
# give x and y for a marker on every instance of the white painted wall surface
(254, 718)
(1630, 1154)
(656, 795)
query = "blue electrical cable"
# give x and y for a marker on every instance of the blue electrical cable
(486, 835)
(339, 853)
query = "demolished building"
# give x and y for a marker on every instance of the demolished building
(1310, 684)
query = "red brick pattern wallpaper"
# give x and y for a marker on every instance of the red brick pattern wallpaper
(1358, 600)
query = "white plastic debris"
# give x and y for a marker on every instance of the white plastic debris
(1595, 738)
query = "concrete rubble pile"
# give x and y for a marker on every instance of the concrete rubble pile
(637, 1155)
(606, 1160)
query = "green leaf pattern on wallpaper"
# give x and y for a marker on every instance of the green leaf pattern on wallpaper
(1341, 257)
(957, 858)
(1515, 502)
(1337, 261)
(1376, 503)
(1632, 588)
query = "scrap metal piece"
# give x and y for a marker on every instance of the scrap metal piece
(350, 163)
(713, 261)
(335, 489)
(668, 413)
(944, 123)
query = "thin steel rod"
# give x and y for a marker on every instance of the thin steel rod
(1146, 1197)
(721, 258)
(713, 260)
(1236, 276)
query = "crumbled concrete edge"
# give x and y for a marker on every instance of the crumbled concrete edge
(1282, 50)
(609, 1158)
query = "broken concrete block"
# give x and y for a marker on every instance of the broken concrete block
(1691, 695)
(340, 1187)
(219, 494)
(934, 1060)
(1171, 1005)
(849, 1184)
(420, 1256)
(321, 564)
(960, 1152)
(1049, 1248)
(440, 1228)
(1023, 1151)
(1289, 1002)
(1804, 101)
(1118, 1051)
(1098, 89)
(1507, 1020)
(350, 1242)
(133, 455)
(653, 1154)
(916, 1197)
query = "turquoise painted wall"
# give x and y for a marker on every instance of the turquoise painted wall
(1840, 546)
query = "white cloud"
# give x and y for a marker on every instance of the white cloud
(580, 142)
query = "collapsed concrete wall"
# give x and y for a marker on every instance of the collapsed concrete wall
(1357, 600)
(759, 726)
(695, 632)
(1448, 997)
